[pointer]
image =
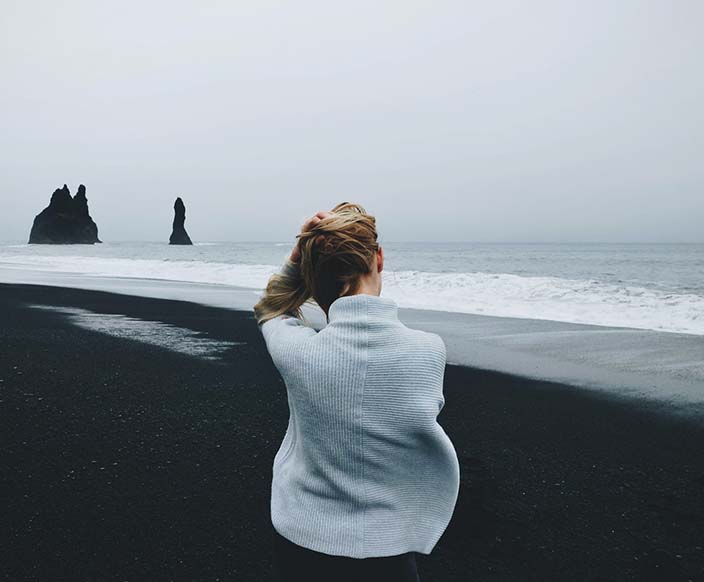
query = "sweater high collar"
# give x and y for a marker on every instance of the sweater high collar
(361, 305)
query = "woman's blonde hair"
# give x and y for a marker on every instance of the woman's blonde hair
(334, 254)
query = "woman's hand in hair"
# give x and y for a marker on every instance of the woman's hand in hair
(307, 225)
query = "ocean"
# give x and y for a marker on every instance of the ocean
(639, 286)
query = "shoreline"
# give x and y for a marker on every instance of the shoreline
(128, 460)
(664, 367)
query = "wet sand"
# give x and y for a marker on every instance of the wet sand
(122, 459)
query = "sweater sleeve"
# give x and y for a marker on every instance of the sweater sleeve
(285, 327)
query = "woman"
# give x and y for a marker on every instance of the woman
(365, 478)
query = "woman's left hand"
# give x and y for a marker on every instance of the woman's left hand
(307, 225)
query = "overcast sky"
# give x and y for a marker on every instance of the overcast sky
(479, 121)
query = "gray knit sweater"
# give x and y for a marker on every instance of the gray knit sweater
(364, 468)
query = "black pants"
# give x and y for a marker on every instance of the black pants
(294, 563)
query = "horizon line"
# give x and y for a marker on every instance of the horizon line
(280, 242)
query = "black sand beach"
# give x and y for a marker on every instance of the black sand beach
(121, 460)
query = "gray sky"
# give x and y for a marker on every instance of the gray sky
(486, 121)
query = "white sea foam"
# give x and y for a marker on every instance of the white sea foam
(505, 295)
(163, 335)
(551, 298)
(254, 276)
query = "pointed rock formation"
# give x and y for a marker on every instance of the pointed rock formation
(65, 221)
(179, 236)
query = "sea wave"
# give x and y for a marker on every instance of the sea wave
(241, 275)
(504, 295)
(552, 298)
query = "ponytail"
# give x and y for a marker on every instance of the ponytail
(334, 254)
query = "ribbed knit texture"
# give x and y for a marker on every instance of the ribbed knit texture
(364, 468)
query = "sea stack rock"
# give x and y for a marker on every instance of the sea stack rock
(65, 221)
(179, 236)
